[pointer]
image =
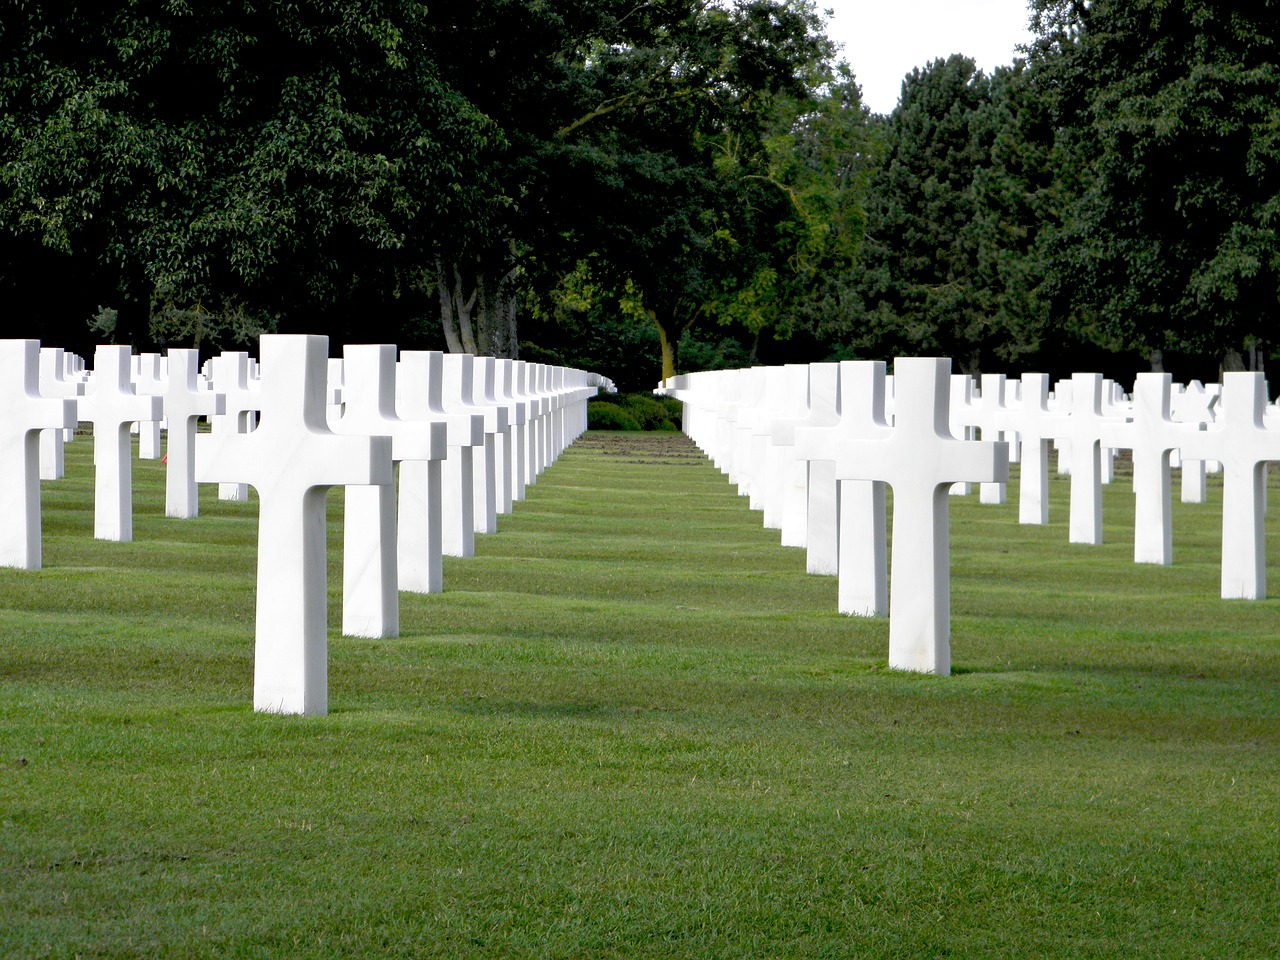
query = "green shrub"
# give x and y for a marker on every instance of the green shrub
(609, 416)
(648, 412)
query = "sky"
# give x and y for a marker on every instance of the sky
(884, 39)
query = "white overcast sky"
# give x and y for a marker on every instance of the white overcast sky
(884, 39)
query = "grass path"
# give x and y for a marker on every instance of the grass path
(632, 726)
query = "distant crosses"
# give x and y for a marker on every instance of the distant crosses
(111, 406)
(291, 459)
(23, 414)
(920, 459)
(185, 401)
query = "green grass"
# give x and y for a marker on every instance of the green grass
(632, 726)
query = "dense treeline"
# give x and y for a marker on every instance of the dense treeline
(642, 188)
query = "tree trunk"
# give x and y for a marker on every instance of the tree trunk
(670, 345)
(478, 304)
(496, 308)
(455, 308)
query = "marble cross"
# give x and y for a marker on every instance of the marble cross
(1242, 441)
(459, 477)
(1083, 432)
(24, 413)
(370, 565)
(995, 425)
(790, 474)
(863, 587)
(56, 383)
(422, 526)
(185, 401)
(813, 438)
(1152, 435)
(920, 459)
(485, 496)
(230, 375)
(511, 449)
(111, 405)
(291, 459)
(1192, 404)
(149, 381)
(1037, 424)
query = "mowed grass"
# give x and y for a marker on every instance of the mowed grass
(633, 726)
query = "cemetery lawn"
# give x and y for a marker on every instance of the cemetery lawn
(632, 726)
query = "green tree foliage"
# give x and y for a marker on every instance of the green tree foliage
(920, 287)
(1173, 109)
(706, 180)
(288, 161)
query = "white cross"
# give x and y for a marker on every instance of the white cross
(526, 465)
(485, 494)
(421, 529)
(963, 415)
(54, 382)
(791, 473)
(1083, 432)
(511, 450)
(111, 405)
(230, 376)
(149, 381)
(370, 578)
(459, 531)
(1241, 441)
(1192, 404)
(292, 459)
(1152, 435)
(813, 438)
(1037, 424)
(863, 588)
(920, 459)
(185, 401)
(994, 425)
(23, 414)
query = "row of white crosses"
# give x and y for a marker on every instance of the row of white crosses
(292, 427)
(813, 446)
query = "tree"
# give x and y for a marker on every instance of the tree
(919, 286)
(290, 162)
(1174, 107)
(697, 180)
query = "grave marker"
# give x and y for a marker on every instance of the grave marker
(56, 383)
(1241, 441)
(185, 401)
(1152, 435)
(920, 459)
(111, 405)
(24, 413)
(291, 459)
